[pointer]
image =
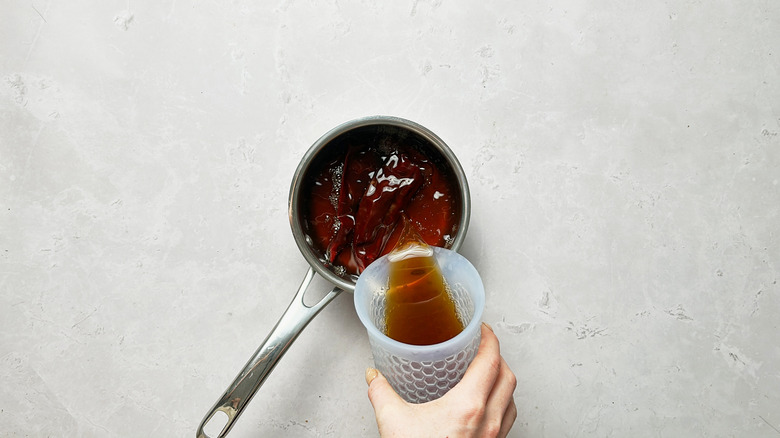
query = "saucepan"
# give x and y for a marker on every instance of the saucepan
(325, 161)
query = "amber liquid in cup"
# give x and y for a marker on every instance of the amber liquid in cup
(419, 307)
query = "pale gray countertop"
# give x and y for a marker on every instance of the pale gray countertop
(623, 158)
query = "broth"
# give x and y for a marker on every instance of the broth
(366, 181)
(419, 307)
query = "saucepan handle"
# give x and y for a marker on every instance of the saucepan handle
(249, 380)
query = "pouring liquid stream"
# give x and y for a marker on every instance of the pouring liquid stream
(419, 307)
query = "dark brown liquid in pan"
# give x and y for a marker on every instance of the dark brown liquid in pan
(366, 180)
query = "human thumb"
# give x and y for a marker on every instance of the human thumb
(380, 393)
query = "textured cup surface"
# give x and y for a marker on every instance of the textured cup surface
(421, 373)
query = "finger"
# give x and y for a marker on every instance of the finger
(484, 369)
(503, 389)
(508, 420)
(371, 374)
(501, 402)
(380, 393)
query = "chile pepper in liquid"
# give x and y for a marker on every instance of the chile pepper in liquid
(354, 209)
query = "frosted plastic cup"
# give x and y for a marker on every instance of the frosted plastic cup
(421, 373)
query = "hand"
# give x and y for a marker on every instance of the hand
(480, 405)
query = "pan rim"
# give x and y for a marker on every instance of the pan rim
(294, 203)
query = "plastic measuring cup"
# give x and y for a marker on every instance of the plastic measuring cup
(421, 373)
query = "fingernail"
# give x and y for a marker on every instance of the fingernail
(488, 326)
(371, 374)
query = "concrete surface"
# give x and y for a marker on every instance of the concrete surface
(623, 157)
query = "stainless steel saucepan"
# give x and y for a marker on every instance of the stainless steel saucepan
(222, 416)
